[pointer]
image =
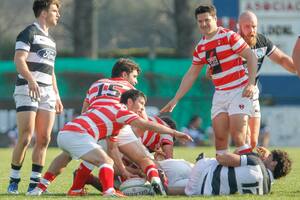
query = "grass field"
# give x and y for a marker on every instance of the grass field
(286, 188)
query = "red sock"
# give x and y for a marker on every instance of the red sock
(106, 176)
(151, 171)
(81, 176)
(90, 178)
(46, 180)
(244, 149)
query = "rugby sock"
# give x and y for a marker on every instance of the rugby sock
(81, 176)
(46, 180)
(35, 175)
(106, 177)
(244, 149)
(221, 152)
(151, 172)
(15, 173)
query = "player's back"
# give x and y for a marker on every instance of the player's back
(107, 92)
(101, 122)
(153, 140)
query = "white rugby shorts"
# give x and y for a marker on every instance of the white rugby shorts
(231, 102)
(76, 144)
(25, 103)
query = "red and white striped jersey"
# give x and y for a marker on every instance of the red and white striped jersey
(107, 91)
(153, 140)
(221, 54)
(101, 122)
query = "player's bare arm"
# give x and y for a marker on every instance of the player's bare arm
(296, 56)
(114, 153)
(283, 60)
(161, 129)
(251, 65)
(186, 83)
(229, 159)
(22, 68)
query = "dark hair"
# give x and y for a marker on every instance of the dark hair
(171, 123)
(211, 9)
(284, 163)
(133, 95)
(40, 5)
(124, 65)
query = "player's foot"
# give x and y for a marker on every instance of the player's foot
(13, 187)
(158, 187)
(35, 192)
(33, 184)
(113, 193)
(81, 192)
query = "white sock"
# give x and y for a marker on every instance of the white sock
(15, 174)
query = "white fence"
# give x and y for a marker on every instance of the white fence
(8, 119)
(284, 123)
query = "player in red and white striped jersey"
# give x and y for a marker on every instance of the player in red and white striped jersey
(108, 91)
(160, 142)
(222, 50)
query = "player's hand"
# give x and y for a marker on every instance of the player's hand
(169, 107)
(209, 73)
(127, 175)
(249, 91)
(183, 137)
(34, 90)
(59, 106)
(263, 152)
(159, 155)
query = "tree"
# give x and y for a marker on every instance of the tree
(183, 18)
(85, 28)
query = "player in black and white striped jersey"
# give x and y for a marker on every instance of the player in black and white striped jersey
(36, 93)
(262, 47)
(244, 174)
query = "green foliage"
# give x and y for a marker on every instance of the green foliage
(286, 188)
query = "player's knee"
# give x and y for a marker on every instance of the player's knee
(24, 141)
(100, 161)
(43, 141)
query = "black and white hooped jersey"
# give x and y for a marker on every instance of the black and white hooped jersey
(263, 47)
(208, 177)
(41, 50)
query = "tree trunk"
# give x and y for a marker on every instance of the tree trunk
(85, 28)
(183, 17)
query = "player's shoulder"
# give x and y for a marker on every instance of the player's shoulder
(226, 31)
(262, 39)
(30, 28)
(253, 159)
(28, 31)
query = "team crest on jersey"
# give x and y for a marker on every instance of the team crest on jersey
(47, 53)
(260, 52)
(242, 106)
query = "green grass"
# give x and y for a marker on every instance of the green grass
(286, 188)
